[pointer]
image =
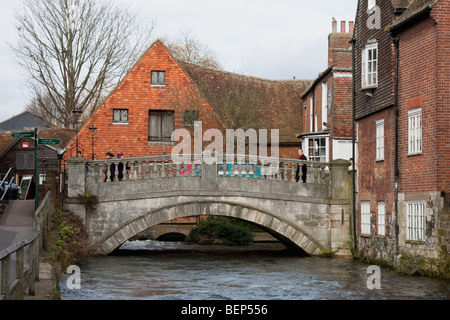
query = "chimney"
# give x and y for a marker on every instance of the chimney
(350, 27)
(338, 44)
(342, 26)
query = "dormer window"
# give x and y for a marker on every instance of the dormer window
(371, 4)
(370, 66)
(158, 78)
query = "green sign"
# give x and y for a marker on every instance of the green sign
(49, 142)
(23, 134)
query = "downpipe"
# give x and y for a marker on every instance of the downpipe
(396, 170)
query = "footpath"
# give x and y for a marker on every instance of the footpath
(16, 224)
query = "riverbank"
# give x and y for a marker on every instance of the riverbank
(47, 286)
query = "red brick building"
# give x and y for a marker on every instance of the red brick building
(401, 106)
(161, 94)
(327, 103)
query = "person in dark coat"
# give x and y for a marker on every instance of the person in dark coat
(121, 165)
(301, 156)
(112, 167)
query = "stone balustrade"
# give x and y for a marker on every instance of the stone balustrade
(234, 166)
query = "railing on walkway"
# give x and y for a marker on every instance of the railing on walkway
(234, 166)
(26, 256)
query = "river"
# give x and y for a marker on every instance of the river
(150, 270)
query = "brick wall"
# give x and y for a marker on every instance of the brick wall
(136, 94)
(376, 178)
(417, 83)
(423, 68)
(440, 14)
(342, 107)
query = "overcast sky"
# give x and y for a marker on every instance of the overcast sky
(272, 39)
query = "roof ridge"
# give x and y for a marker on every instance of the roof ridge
(225, 72)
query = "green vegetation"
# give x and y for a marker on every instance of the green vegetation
(89, 199)
(416, 265)
(221, 230)
(67, 241)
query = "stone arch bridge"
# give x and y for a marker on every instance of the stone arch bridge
(313, 216)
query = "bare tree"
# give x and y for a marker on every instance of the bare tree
(187, 101)
(73, 51)
(189, 49)
(239, 101)
(42, 105)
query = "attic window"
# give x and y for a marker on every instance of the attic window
(158, 78)
(120, 116)
(371, 5)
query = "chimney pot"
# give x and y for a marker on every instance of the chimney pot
(334, 26)
(350, 27)
(342, 26)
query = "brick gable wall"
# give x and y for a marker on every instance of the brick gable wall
(136, 94)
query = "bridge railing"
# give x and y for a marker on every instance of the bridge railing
(14, 285)
(226, 166)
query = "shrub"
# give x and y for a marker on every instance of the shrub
(68, 240)
(220, 230)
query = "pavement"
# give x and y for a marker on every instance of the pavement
(16, 225)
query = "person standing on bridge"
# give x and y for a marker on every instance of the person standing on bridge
(121, 165)
(112, 167)
(301, 156)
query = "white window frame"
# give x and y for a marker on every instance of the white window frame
(371, 4)
(415, 131)
(381, 220)
(416, 220)
(311, 114)
(370, 66)
(365, 217)
(324, 104)
(316, 150)
(380, 140)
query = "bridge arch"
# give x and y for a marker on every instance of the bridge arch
(270, 221)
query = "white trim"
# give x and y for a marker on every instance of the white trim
(342, 75)
(381, 219)
(415, 123)
(365, 217)
(311, 114)
(366, 75)
(324, 104)
(416, 220)
(380, 140)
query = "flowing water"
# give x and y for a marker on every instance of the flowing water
(152, 270)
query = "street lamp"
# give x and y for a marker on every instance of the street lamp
(92, 129)
(76, 113)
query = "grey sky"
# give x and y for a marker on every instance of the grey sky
(262, 38)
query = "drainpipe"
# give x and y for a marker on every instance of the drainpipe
(355, 241)
(396, 170)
